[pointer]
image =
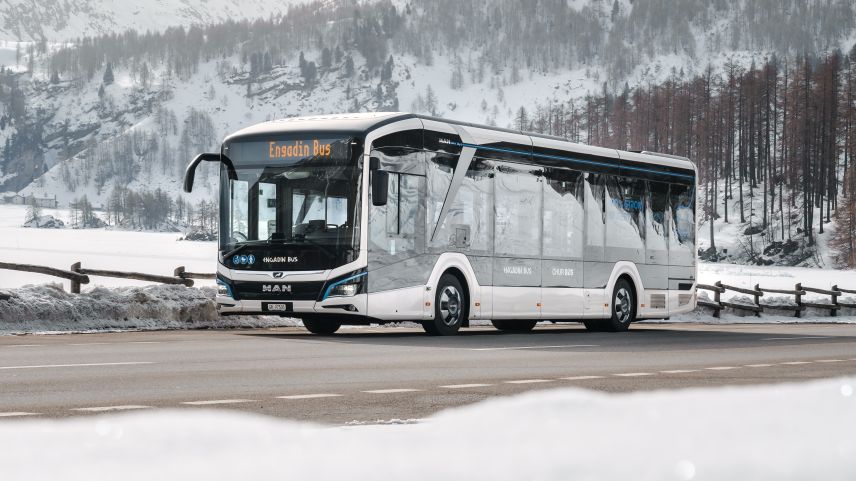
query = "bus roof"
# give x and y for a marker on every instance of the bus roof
(363, 123)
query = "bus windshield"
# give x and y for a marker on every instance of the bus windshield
(293, 206)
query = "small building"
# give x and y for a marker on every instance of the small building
(17, 199)
(44, 202)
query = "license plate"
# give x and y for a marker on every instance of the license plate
(279, 307)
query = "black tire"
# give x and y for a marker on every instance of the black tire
(451, 307)
(623, 310)
(514, 325)
(324, 328)
(595, 326)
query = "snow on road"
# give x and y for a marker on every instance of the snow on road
(777, 432)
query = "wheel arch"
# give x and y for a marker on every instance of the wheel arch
(459, 266)
(626, 270)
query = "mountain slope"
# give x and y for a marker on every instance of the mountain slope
(63, 20)
(67, 128)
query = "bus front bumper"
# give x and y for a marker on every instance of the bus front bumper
(335, 306)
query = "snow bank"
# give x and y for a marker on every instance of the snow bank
(49, 308)
(779, 432)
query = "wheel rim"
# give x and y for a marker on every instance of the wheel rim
(623, 305)
(450, 305)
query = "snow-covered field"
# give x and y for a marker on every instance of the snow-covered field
(109, 303)
(149, 252)
(777, 432)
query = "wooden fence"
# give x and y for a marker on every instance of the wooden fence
(78, 275)
(757, 306)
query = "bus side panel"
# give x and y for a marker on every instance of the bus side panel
(407, 273)
(516, 302)
(482, 297)
(517, 288)
(561, 296)
(397, 305)
(654, 301)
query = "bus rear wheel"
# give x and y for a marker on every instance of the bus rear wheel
(450, 308)
(508, 325)
(324, 328)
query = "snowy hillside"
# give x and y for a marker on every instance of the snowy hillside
(130, 111)
(62, 20)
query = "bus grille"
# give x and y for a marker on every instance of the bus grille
(277, 291)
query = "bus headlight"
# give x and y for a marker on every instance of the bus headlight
(344, 290)
(348, 287)
(223, 289)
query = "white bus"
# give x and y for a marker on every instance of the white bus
(386, 217)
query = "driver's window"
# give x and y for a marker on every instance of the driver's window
(267, 210)
(239, 229)
(337, 211)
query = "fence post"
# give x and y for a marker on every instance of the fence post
(798, 299)
(834, 301)
(716, 298)
(757, 299)
(75, 285)
(179, 272)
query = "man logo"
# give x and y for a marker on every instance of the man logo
(276, 288)
(278, 275)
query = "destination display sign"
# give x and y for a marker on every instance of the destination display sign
(289, 150)
(299, 149)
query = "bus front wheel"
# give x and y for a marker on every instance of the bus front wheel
(321, 327)
(450, 308)
(623, 310)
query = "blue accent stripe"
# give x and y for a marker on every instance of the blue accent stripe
(571, 159)
(331, 286)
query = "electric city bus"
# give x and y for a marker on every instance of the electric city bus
(388, 217)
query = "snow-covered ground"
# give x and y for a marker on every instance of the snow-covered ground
(777, 432)
(148, 252)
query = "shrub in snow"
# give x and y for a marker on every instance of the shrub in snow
(45, 222)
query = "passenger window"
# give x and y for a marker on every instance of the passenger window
(682, 199)
(595, 217)
(564, 217)
(402, 205)
(518, 200)
(625, 214)
(468, 225)
(656, 231)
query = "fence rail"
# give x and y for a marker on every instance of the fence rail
(757, 307)
(78, 275)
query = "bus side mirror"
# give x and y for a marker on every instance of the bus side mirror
(380, 187)
(190, 173)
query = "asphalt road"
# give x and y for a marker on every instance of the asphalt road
(383, 374)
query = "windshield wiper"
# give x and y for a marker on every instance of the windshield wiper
(296, 241)
(242, 246)
(316, 244)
